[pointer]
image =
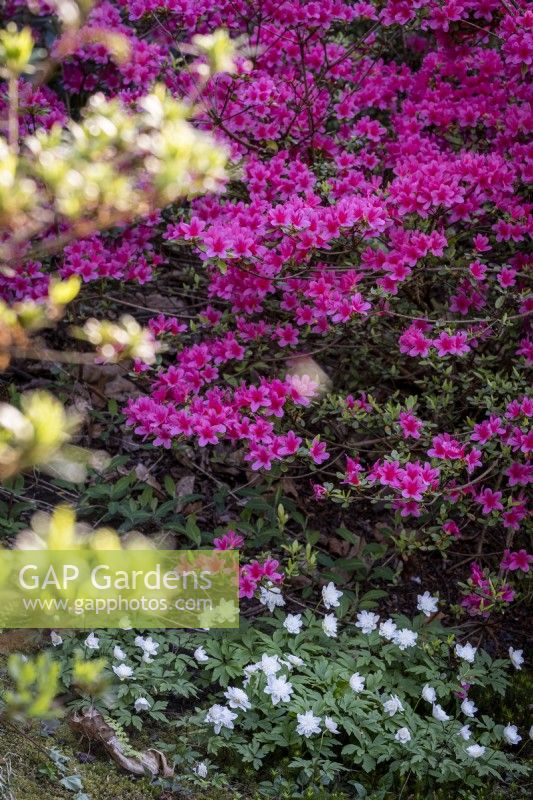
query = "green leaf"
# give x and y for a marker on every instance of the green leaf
(192, 530)
(72, 782)
(170, 486)
(373, 594)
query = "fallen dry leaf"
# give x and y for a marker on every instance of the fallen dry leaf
(107, 381)
(185, 486)
(289, 487)
(143, 474)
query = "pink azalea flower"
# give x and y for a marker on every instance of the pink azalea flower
(489, 501)
(450, 527)
(229, 541)
(519, 559)
(317, 451)
(410, 425)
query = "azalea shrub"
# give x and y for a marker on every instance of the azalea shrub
(365, 272)
(367, 276)
(377, 220)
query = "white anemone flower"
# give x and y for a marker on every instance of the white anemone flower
(237, 698)
(293, 623)
(427, 604)
(475, 750)
(92, 642)
(329, 625)
(403, 735)
(367, 621)
(357, 683)
(511, 735)
(331, 595)
(308, 724)
(466, 651)
(123, 672)
(393, 705)
(439, 713)
(429, 694)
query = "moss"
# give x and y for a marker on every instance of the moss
(34, 777)
(103, 781)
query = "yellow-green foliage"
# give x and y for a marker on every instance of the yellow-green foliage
(36, 682)
(91, 170)
(115, 164)
(37, 434)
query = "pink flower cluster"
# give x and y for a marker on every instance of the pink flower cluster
(254, 574)
(486, 592)
(39, 107)
(131, 258)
